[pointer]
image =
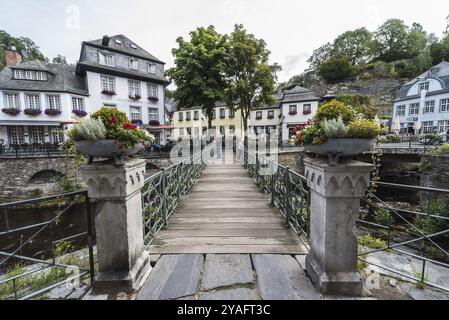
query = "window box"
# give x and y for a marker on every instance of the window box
(307, 112)
(32, 112)
(108, 93)
(153, 99)
(79, 113)
(135, 98)
(292, 113)
(11, 111)
(52, 112)
(270, 117)
(154, 123)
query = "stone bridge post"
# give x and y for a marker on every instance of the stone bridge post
(122, 261)
(336, 192)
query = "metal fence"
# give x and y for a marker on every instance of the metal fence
(421, 144)
(27, 274)
(28, 150)
(163, 192)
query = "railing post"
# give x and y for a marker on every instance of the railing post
(271, 164)
(257, 168)
(178, 177)
(164, 197)
(287, 195)
(90, 241)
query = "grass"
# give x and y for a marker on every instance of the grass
(371, 242)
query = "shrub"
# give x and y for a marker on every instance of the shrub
(68, 185)
(332, 110)
(360, 103)
(442, 150)
(335, 128)
(363, 129)
(36, 193)
(89, 129)
(383, 216)
(371, 242)
(336, 69)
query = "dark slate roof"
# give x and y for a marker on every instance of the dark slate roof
(298, 94)
(124, 47)
(34, 65)
(61, 78)
(442, 75)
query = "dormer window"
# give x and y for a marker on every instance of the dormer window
(424, 86)
(119, 42)
(133, 46)
(133, 64)
(434, 71)
(107, 59)
(30, 75)
(151, 67)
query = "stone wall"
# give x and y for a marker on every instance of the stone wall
(435, 171)
(291, 159)
(16, 176)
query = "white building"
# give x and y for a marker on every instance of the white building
(424, 102)
(41, 100)
(266, 119)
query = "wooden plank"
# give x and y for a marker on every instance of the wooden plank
(229, 214)
(227, 241)
(169, 233)
(221, 226)
(178, 219)
(230, 249)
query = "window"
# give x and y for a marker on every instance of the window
(429, 107)
(443, 126)
(188, 116)
(307, 109)
(444, 105)
(12, 100)
(196, 115)
(293, 109)
(133, 64)
(54, 102)
(56, 134)
(414, 108)
(152, 90)
(231, 129)
(427, 126)
(109, 105)
(134, 88)
(108, 83)
(135, 113)
(400, 110)
(107, 59)
(181, 116)
(16, 135)
(222, 130)
(213, 114)
(258, 115)
(222, 113)
(36, 134)
(33, 101)
(424, 86)
(153, 114)
(77, 103)
(189, 131)
(41, 76)
(30, 75)
(434, 71)
(270, 114)
(231, 113)
(181, 131)
(151, 67)
(19, 74)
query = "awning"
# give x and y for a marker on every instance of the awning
(160, 127)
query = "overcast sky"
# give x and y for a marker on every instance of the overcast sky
(291, 28)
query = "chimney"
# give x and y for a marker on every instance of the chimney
(105, 41)
(12, 57)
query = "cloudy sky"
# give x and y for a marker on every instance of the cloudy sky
(291, 28)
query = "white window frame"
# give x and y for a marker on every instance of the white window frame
(77, 103)
(151, 67)
(33, 101)
(106, 59)
(188, 116)
(443, 125)
(133, 64)
(56, 134)
(134, 115)
(180, 116)
(54, 101)
(429, 107)
(424, 86)
(259, 115)
(427, 126)
(413, 109)
(108, 83)
(153, 114)
(400, 110)
(134, 88)
(16, 135)
(152, 90)
(181, 131)
(293, 108)
(444, 105)
(36, 134)
(222, 113)
(12, 100)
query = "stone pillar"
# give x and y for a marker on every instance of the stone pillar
(335, 201)
(122, 260)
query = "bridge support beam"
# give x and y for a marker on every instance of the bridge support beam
(122, 260)
(336, 192)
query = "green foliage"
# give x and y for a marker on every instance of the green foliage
(360, 103)
(89, 129)
(68, 185)
(36, 193)
(383, 216)
(371, 242)
(335, 128)
(311, 135)
(363, 129)
(333, 110)
(60, 59)
(440, 51)
(354, 45)
(429, 225)
(336, 68)
(442, 150)
(391, 41)
(297, 80)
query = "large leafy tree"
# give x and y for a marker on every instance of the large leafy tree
(336, 68)
(199, 71)
(391, 41)
(354, 45)
(59, 59)
(251, 79)
(320, 55)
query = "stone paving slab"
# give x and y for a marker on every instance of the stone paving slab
(222, 270)
(231, 294)
(280, 277)
(174, 276)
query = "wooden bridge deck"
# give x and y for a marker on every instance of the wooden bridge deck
(226, 213)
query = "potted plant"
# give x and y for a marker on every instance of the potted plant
(135, 97)
(153, 99)
(79, 113)
(11, 111)
(52, 112)
(337, 131)
(108, 133)
(32, 112)
(108, 92)
(154, 123)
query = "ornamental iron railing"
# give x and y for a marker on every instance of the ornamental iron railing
(164, 191)
(30, 150)
(44, 255)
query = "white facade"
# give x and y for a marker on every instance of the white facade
(263, 121)
(296, 114)
(423, 102)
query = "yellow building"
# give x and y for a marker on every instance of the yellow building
(193, 122)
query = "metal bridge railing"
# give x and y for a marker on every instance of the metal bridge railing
(164, 191)
(30, 150)
(25, 272)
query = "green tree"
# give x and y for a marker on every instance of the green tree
(320, 55)
(297, 80)
(336, 68)
(251, 78)
(440, 51)
(60, 59)
(199, 70)
(354, 45)
(391, 41)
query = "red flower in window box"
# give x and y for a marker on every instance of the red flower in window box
(130, 126)
(114, 120)
(11, 111)
(32, 112)
(52, 112)
(153, 99)
(292, 113)
(307, 112)
(108, 93)
(79, 113)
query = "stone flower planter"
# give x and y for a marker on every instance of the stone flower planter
(106, 149)
(337, 148)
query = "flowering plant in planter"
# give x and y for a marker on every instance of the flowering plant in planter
(135, 98)
(52, 112)
(137, 122)
(11, 111)
(153, 99)
(79, 113)
(154, 123)
(32, 112)
(108, 93)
